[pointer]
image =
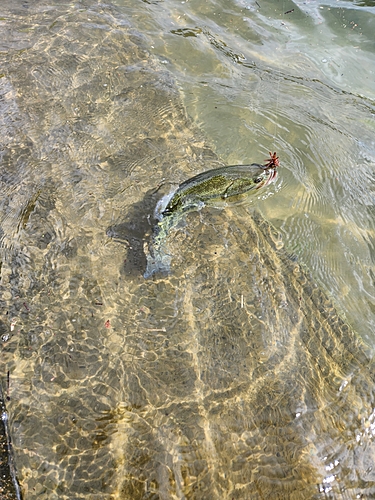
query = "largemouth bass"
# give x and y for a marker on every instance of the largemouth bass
(219, 184)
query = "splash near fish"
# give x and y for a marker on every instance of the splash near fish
(228, 183)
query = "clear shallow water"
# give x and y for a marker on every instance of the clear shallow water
(232, 377)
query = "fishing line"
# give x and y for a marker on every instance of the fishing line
(277, 107)
(277, 97)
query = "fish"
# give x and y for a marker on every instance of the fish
(223, 184)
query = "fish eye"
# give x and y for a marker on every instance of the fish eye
(257, 180)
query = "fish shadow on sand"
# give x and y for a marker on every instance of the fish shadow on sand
(137, 229)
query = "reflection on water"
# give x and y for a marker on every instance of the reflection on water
(233, 377)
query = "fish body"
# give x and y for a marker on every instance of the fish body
(219, 184)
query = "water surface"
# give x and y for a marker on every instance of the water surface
(234, 376)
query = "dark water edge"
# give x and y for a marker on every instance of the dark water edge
(9, 487)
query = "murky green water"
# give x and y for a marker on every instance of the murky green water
(233, 377)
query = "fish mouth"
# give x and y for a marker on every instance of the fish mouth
(271, 177)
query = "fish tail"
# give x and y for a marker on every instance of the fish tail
(158, 263)
(158, 256)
